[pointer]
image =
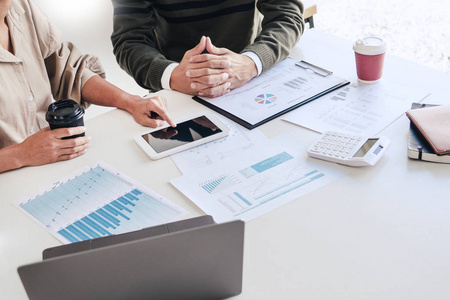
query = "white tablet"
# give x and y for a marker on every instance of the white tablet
(190, 132)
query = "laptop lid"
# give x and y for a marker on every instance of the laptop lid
(127, 237)
(198, 263)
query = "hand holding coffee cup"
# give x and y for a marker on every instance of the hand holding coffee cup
(369, 55)
(65, 113)
(64, 139)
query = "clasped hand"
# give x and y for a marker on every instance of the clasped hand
(211, 74)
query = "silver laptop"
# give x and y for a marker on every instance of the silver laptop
(189, 259)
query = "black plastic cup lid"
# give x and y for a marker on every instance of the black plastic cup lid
(64, 110)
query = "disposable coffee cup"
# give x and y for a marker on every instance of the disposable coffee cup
(65, 113)
(369, 55)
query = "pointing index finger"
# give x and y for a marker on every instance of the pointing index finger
(164, 115)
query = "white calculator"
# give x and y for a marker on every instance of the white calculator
(349, 149)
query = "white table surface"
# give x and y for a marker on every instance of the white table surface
(381, 232)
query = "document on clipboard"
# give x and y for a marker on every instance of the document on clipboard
(286, 86)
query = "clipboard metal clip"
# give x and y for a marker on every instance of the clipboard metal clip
(315, 69)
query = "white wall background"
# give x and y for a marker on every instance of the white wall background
(418, 30)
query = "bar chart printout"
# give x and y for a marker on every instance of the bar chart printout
(95, 202)
(255, 183)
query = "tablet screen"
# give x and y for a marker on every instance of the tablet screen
(185, 133)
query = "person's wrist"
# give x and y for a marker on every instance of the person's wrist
(254, 72)
(175, 81)
(251, 66)
(256, 60)
(166, 76)
(129, 102)
(18, 157)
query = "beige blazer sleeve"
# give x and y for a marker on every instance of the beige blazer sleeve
(67, 68)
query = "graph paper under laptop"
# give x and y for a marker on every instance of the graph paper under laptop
(189, 259)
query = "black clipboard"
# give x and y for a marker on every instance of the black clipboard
(303, 64)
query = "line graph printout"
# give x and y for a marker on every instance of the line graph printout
(97, 201)
(277, 90)
(357, 108)
(256, 182)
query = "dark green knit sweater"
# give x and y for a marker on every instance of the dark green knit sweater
(150, 35)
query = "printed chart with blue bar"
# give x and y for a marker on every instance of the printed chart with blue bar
(261, 189)
(95, 202)
(219, 183)
(254, 184)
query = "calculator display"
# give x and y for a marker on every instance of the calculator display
(365, 148)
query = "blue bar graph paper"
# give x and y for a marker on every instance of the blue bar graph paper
(211, 186)
(98, 203)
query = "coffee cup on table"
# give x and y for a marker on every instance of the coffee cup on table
(369, 55)
(65, 113)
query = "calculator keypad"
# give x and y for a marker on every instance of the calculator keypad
(336, 144)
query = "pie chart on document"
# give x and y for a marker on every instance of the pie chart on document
(266, 98)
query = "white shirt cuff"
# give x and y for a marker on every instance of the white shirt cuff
(165, 79)
(256, 59)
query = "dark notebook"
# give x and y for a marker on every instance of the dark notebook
(418, 147)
